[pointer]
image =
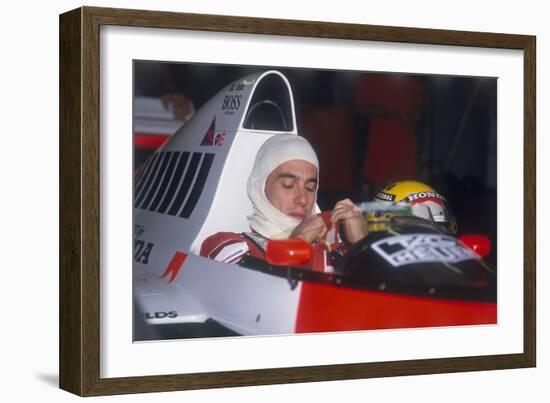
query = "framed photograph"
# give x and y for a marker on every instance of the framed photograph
(249, 201)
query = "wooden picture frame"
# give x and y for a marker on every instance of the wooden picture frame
(80, 200)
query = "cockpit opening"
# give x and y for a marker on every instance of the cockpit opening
(270, 107)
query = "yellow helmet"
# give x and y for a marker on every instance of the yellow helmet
(423, 200)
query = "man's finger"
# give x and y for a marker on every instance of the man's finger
(344, 213)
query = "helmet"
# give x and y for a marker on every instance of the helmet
(423, 201)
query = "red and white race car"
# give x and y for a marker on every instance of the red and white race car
(408, 275)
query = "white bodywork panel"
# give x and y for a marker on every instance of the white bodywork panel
(245, 301)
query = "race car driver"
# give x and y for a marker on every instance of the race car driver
(283, 188)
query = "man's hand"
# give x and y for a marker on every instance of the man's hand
(311, 229)
(351, 218)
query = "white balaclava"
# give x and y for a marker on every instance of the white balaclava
(266, 219)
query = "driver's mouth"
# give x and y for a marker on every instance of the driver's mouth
(299, 216)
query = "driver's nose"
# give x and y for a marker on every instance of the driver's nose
(301, 197)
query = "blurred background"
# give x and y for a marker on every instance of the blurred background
(369, 129)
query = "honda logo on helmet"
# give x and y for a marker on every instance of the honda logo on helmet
(424, 195)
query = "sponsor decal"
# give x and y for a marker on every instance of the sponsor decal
(142, 250)
(211, 138)
(208, 138)
(218, 140)
(138, 230)
(237, 87)
(231, 104)
(408, 249)
(422, 196)
(385, 196)
(161, 315)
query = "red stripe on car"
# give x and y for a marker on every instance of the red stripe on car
(326, 308)
(174, 266)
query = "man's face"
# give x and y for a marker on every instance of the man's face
(291, 188)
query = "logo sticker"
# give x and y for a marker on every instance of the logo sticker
(385, 196)
(231, 103)
(138, 230)
(208, 139)
(236, 87)
(407, 249)
(220, 137)
(142, 250)
(161, 315)
(422, 196)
